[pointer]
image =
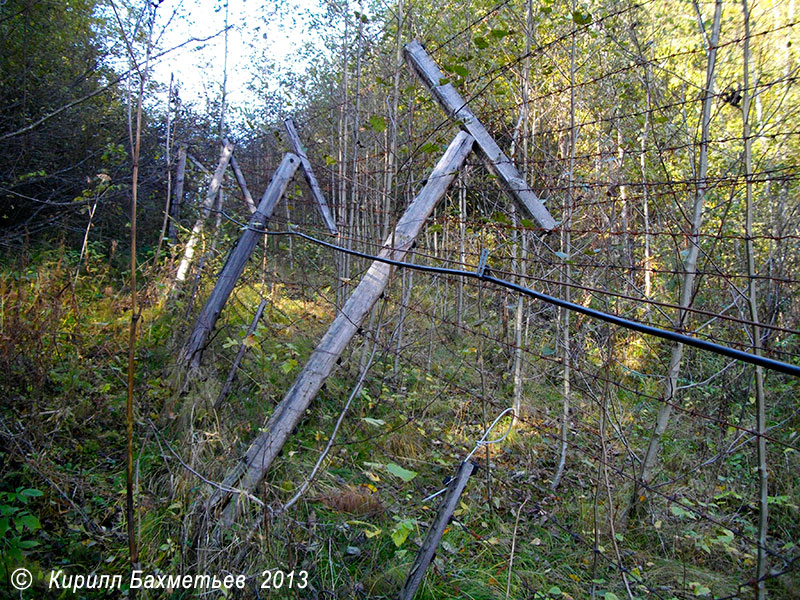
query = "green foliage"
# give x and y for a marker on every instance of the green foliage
(398, 471)
(17, 524)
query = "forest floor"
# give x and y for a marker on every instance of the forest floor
(356, 530)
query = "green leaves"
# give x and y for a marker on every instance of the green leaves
(681, 512)
(430, 147)
(499, 34)
(480, 42)
(15, 519)
(459, 70)
(581, 18)
(288, 366)
(400, 472)
(699, 589)
(402, 530)
(377, 123)
(29, 493)
(499, 217)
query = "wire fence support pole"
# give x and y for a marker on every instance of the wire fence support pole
(234, 266)
(495, 159)
(311, 179)
(426, 553)
(253, 467)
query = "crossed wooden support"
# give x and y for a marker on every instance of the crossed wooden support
(255, 464)
(192, 350)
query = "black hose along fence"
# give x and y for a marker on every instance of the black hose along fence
(437, 377)
(573, 328)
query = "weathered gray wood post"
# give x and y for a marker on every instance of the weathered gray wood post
(177, 200)
(208, 203)
(237, 172)
(253, 467)
(425, 555)
(311, 179)
(494, 158)
(240, 354)
(237, 259)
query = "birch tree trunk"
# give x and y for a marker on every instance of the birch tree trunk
(520, 256)
(752, 300)
(566, 248)
(690, 272)
(205, 211)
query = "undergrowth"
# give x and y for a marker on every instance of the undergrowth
(356, 530)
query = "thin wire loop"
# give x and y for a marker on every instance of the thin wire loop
(481, 443)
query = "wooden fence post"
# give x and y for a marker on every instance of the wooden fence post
(175, 207)
(311, 179)
(494, 158)
(248, 198)
(425, 555)
(240, 354)
(236, 261)
(253, 467)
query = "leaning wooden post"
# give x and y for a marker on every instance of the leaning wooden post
(208, 203)
(175, 207)
(236, 261)
(425, 555)
(253, 467)
(494, 158)
(240, 354)
(237, 172)
(310, 177)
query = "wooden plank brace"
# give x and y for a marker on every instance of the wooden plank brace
(495, 159)
(311, 179)
(253, 467)
(426, 553)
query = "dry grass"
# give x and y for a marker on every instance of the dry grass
(352, 500)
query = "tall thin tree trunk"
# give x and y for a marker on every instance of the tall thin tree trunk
(344, 232)
(462, 252)
(690, 272)
(648, 266)
(761, 419)
(566, 248)
(354, 183)
(520, 256)
(168, 162)
(391, 157)
(175, 207)
(407, 286)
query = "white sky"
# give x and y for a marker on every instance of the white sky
(256, 26)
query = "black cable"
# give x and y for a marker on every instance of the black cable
(673, 336)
